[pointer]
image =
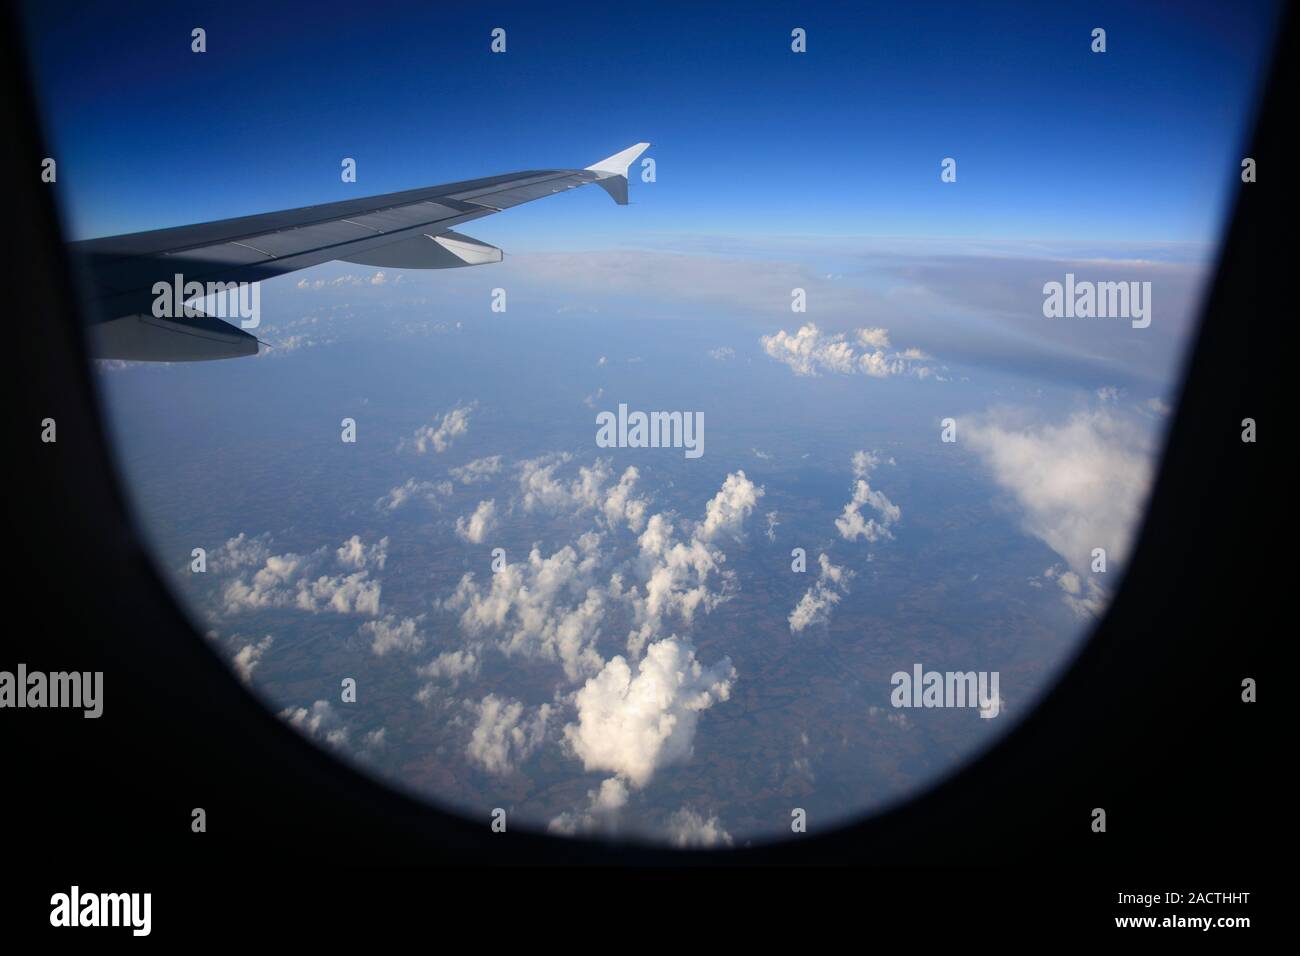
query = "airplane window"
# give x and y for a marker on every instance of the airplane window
(778, 466)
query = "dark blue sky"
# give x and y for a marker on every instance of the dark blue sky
(1052, 141)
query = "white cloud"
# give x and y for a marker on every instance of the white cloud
(249, 656)
(343, 594)
(540, 489)
(601, 813)
(1082, 595)
(687, 829)
(480, 469)
(294, 580)
(632, 721)
(864, 463)
(449, 666)
(504, 735)
(390, 634)
(677, 577)
(727, 512)
(620, 505)
(480, 524)
(320, 722)
(1081, 484)
(354, 554)
(635, 713)
(895, 717)
(240, 551)
(439, 438)
(548, 608)
(429, 491)
(873, 338)
(851, 524)
(1158, 405)
(809, 351)
(815, 605)
(553, 607)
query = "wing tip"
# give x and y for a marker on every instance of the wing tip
(618, 163)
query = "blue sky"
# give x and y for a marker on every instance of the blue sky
(1052, 141)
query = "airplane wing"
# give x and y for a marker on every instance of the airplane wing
(136, 317)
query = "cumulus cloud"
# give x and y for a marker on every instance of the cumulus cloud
(815, 605)
(239, 552)
(809, 351)
(354, 553)
(440, 437)
(480, 524)
(343, 594)
(504, 734)
(896, 717)
(320, 722)
(480, 469)
(690, 829)
(249, 656)
(1080, 484)
(634, 713)
(851, 524)
(390, 634)
(540, 489)
(545, 607)
(634, 719)
(601, 815)
(873, 338)
(552, 607)
(728, 510)
(679, 577)
(298, 580)
(448, 666)
(411, 490)
(1082, 595)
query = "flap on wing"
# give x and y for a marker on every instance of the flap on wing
(146, 338)
(449, 250)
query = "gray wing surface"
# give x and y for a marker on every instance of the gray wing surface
(413, 229)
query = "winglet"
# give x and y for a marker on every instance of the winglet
(613, 171)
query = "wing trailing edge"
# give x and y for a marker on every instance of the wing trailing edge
(448, 250)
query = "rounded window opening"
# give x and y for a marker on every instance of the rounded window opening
(735, 512)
